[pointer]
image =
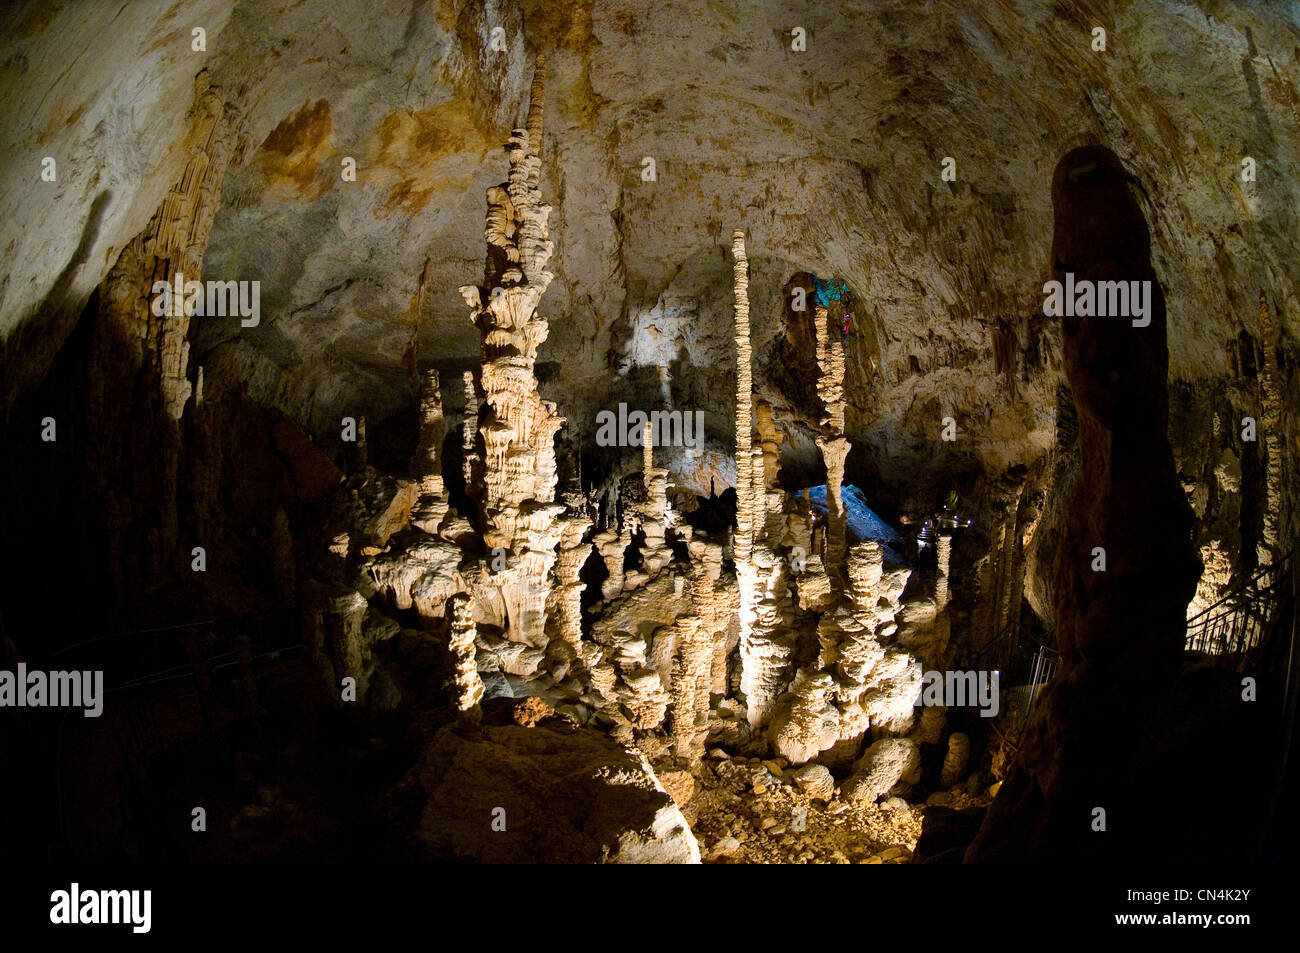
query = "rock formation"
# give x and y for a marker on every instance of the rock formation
(1120, 630)
(469, 687)
(542, 792)
(431, 503)
(761, 576)
(641, 635)
(142, 336)
(517, 426)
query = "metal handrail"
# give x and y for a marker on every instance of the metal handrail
(1238, 621)
(1234, 624)
(176, 627)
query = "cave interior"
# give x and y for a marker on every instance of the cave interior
(745, 500)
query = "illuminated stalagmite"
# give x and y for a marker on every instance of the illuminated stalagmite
(943, 546)
(856, 683)
(469, 435)
(834, 446)
(744, 407)
(652, 657)
(656, 553)
(612, 542)
(1272, 427)
(761, 659)
(517, 426)
(691, 681)
(469, 687)
(574, 551)
(770, 438)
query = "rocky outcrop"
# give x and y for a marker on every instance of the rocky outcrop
(549, 793)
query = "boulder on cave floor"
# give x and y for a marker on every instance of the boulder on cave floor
(885, 763)
(547, 793)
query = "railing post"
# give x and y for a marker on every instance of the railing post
(203, 681)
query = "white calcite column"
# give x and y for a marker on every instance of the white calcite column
(943, 547)
(518, 427)
(469, 436)
(469, 687)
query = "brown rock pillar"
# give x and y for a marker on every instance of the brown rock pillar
(1120, 630)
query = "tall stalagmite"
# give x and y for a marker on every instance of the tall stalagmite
(834, 445)
(1271, 426)
(943, 547)
(656, 553)
(431, 502)
(744, 404)
(1120, 630)
(755, 652)
(517, 426)
(574, 551)
(469, 437)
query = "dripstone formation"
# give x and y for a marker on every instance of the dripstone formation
(1126, 565)
(597, 497)
(812, 622)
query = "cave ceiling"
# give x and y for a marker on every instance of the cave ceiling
(829, 157)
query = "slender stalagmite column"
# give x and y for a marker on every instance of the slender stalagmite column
(469, 687)
(830, 361)
(769, 490)
(834, 446)
(568, 567)
(714, 618)
(426, 464)
(470, 433)
(611, 543)
(363, 449)
(656, 554)
(757, 496)
(536, 105)
(743, 543)
(762, 657)
(744, 406)
(431, 504)
(1010, 584)
(944, 547)
(690, 689)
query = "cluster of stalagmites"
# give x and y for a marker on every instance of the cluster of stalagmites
(813, 623)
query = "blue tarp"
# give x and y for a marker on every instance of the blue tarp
(862, 521)
(831, 290)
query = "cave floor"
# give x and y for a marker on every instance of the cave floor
(739, 821)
